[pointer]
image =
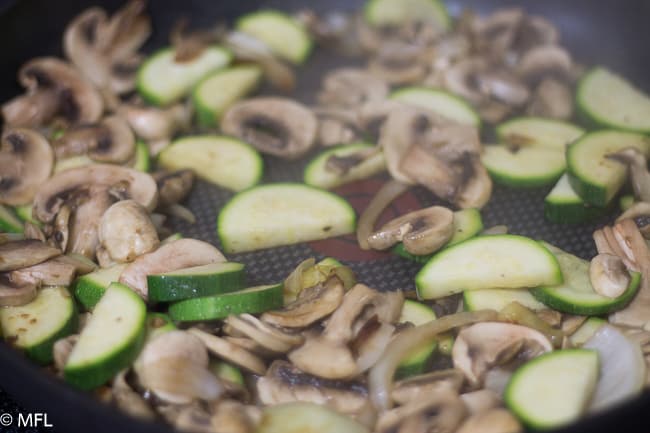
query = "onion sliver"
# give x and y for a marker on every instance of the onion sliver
(389, 192)
(622, 368)
(381, 375)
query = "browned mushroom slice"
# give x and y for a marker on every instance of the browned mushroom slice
(429, 171)
(230, 352)
(314, 304)
(543, 61)
(481, 400)
(608, 275)
(400, 63)
(53, 272)
(639, 212)
(336, 126)
(110, 140)
(440, 412)
(475, 185)
(174, 366)
(552, 98)
(422, 232)
(26, 161)
(268, 337)
(153, 123)
(495, 420)
(284, 383)
(173, 187)
(24, 253)
(128, 400)
(126, 231)
(639, 175)
(84, 226)
(53, 88)
(179, 254)
(483, 346)
(351, 88)
(14, 293)
(416, 387)
(277, 126)
(495, 34)
(61, 350)
(100, 47)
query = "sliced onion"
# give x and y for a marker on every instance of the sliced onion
(372, 349)
(381, 375)
(389, 192)
(622, 368)
(293, 283)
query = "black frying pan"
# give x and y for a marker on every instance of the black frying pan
(613, 33)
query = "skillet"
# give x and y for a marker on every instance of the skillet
(608, 32)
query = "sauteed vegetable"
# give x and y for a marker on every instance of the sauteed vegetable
(502, 333)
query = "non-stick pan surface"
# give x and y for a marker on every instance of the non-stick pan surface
(614, 33)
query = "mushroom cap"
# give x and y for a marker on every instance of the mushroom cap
(484, 345)
(26, 161)
(544, 60)
(552, 98)
(79, 40)
(476, 186)
(136, 185)
(15, 293)
(272, 339)
(400, 63)
(422, 232)
(153, 123)
(352, 87)
(21, 254)
(173, 187)
(277, 126)
(608, 275)
(230, 352)
(78, 101)
(110, 140)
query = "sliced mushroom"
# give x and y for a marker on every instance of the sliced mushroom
(84, 225)
(59, 231)
(174, 366)
(53, 272)
(422, 232)
(62, 349)
(284, 383)
(32, 231)
(126, 231)
(173, 187)
(552, 98)
(480, 401)
(639, 212)
(314, 304)
(351, 88)
(441, 412)
(14, 293)
(485, 345)
(492, 421)
(495, 34)
(476, 185)
(267, 336)
(26, 161)
(417, 387)
(400, 63)
(326, 358)
(333, 130)
(373, 115)
(101, 47)
(155, 124)
(429, 171)
(110, 140)
(277, 126)
(24, 253)
(179, 254)
(53, 88)
(608, 275)
(544, 61)
(128, 400)
(230, 352)
(639, 175)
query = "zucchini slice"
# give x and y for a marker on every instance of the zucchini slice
(318, 175)
(71, 162)
(110, 341)
(252, 300)
(142, 160)
(553, 389)
(89, 288)
(609, 100)
(416, 362)
(395, 12)
(563, 206)
(162, 81)
(157, 324)
(226, 371)
(526, 167)
(594, 177)
(213, 95)
(36, 326)
(299, 417)
(538, 131)
(467, 224)
(25, 214)
(222, 160)
(626, 201)
(9, 222)
(497, 299)
(197, 281)
(282, 214)
(284, 35)
(444, 103)
(488, 262)
(586, 331)
(576, 295)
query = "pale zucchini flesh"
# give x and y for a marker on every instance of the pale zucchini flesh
(9, 223)
(538, 131)
(395, 12)
(488, 262)
(595, 178)
(301, 417)
(36, 326)
(564, 206)
(443, 103)
(317, 174)
(497, 299)
(523, 166)
(282, 214)
(89, 288)
(611, 101)
(110, 341)
(553, 389)
(162, 81)
(224, 161)
(417, 314)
